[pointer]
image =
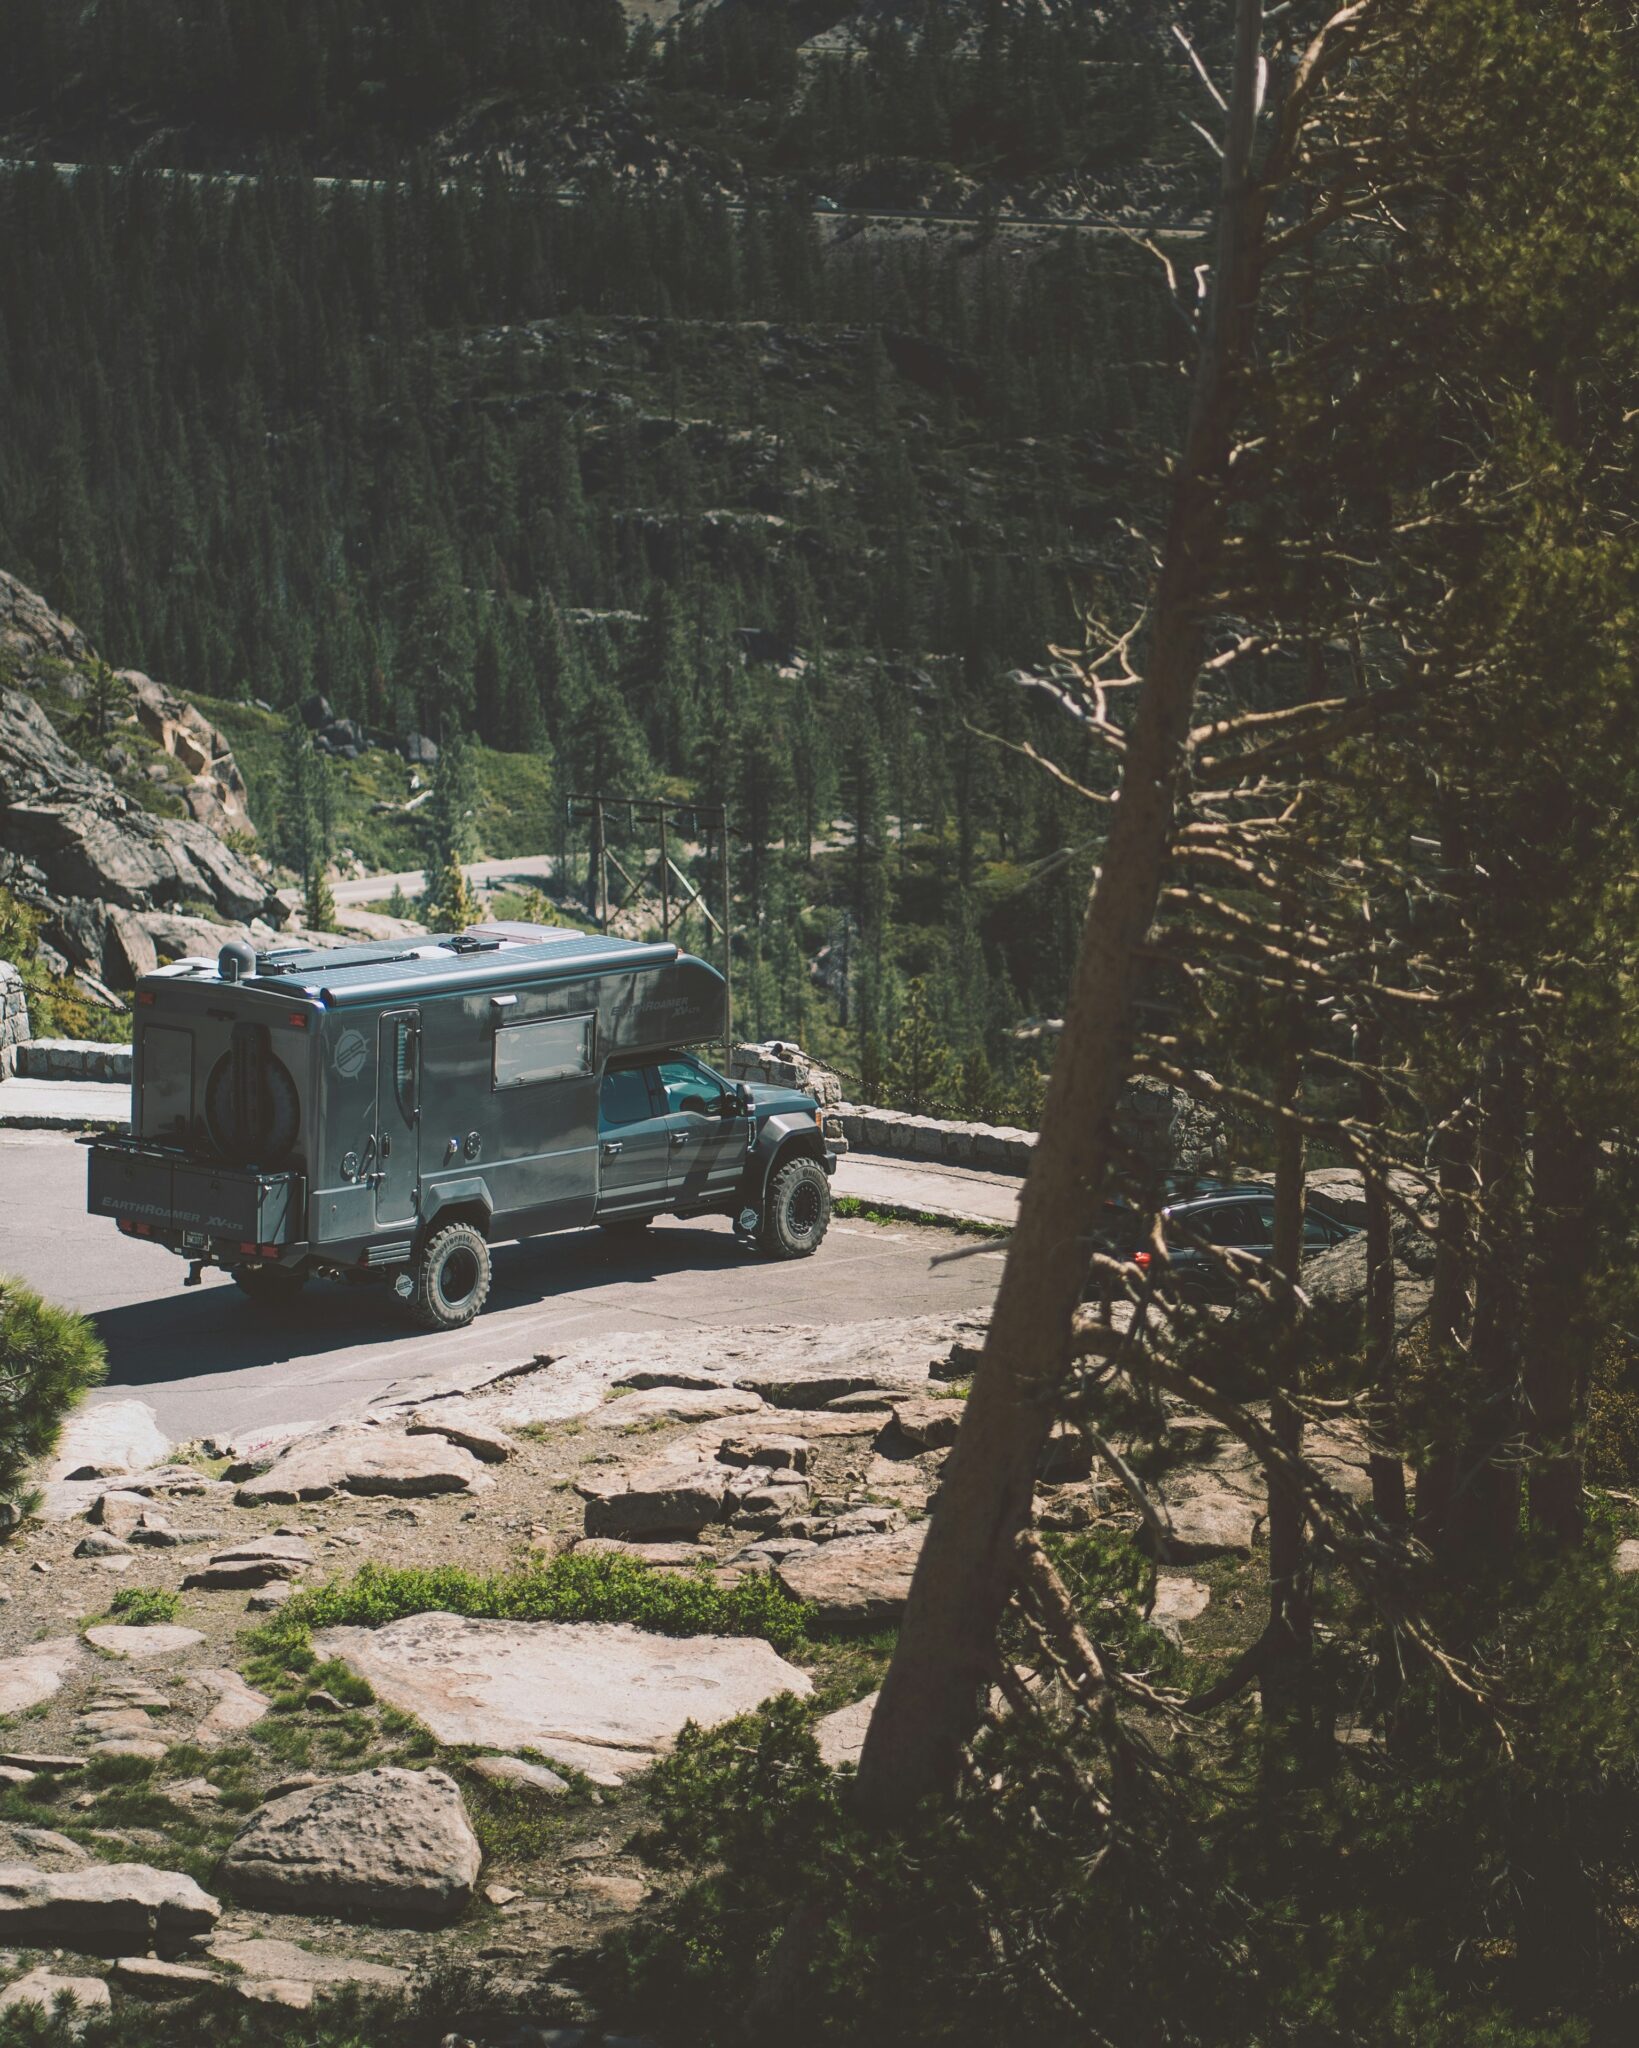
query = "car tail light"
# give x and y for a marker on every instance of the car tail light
(135, 1229)
(268, 1251)
(1142, 1258)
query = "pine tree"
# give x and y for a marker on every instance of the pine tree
(920, 1072)
(448, 903)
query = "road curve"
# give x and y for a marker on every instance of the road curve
(208, 1362)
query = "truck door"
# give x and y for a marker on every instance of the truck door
(633, 1143)
(708, 1150)
(398, 1116)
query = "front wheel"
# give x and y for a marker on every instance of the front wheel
(269, 1286)
(798, 1211)
(451, 1278)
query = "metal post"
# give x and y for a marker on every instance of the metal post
(728, 952)
(665, 881)
(600, 869)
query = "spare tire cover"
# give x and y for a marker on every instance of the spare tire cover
(251, 1104)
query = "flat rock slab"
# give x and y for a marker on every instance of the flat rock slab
(148, 1977)
(1178, 1598)
(1211, 1521)
(365, 1461)
(36, 1674)
(393, 1844)
(143, 1645)
(102, 1908)
(108, 1437)
(675, 1404)
(233, 1706)
(666, 1497)
(249, 1565)
(43, 1847)
(922, 1425)
(857, 1581)
(44, 1987)
(518, 1774)
(455, 1421)
(280, 1973)
(1626, 1558)
(599, 1697)
(841, 1736)
(900, 1353)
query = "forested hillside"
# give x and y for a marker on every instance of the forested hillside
(742, 502)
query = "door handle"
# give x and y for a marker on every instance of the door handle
(386, 1148)
(611, 1149)
(679, 1138)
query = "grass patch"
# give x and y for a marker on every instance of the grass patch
(516, 1826)
(143, 1606)
(874, 1212)
(573, 1588)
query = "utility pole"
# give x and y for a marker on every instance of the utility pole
(691, 817)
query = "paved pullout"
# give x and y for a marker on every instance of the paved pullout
(209, 1363)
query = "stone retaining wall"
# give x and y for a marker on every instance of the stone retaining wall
(997, 1147)
(1160, 1127)
(13, 1015)
(72, 1059)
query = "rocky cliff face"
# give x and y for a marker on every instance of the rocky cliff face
(119, 886)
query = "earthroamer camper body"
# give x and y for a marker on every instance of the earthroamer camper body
(393, 1110)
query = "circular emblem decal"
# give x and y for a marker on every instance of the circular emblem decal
(352, 1050)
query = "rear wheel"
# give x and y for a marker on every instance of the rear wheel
(798, 1211)
(451, 1278)
(270, 1286)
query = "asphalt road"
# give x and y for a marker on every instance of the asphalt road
(207, 1361)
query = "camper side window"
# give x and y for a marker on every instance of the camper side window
(546, 1049)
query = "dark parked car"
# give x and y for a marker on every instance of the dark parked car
(1237, 1217)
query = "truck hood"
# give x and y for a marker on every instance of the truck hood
(771, 1101)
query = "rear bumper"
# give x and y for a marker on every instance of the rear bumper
(191, 1204)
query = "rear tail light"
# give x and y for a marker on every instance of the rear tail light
(268, 1251)
(135, 1229)
(1142, 1258)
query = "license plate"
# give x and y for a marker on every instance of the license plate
(195, 1239)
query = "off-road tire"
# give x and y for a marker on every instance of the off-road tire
(451, 1278)
(797, 1212)
(269, 1286)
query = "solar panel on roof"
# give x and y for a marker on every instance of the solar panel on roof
(368, 969)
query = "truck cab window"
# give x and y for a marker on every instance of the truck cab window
(689, 1085)
(624, 1098)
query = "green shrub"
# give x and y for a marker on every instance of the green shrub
(48, 1358)
(574, 1588)
(143, 1606)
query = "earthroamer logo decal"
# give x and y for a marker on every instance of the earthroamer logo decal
(352, 1050)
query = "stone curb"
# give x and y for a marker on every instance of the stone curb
(70, 1059)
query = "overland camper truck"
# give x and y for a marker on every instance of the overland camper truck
(394, 1110)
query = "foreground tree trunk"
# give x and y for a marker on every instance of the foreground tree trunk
(945, 1656)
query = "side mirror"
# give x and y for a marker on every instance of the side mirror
(741, 1101)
